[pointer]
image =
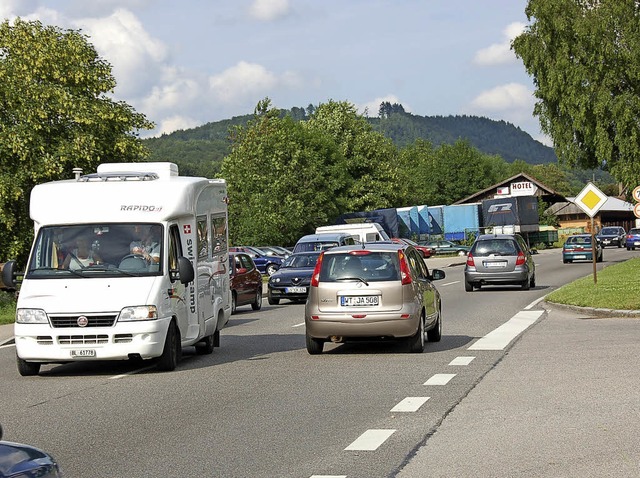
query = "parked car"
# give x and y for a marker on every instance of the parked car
(612, 236)
(499, 259)
(279, 250)
(246, 282)
(25, 461)
(266, 264)
(292, 280)
(633, 238)
(323, 241)
(373, 291)
(447, 247)
(579, 248)
(425, 251)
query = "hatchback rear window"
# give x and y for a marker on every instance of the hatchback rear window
(372, 267)
(496, 247)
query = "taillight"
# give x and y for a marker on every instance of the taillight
(405, 275)
(315, 277)
(521, 259)
(470, 261)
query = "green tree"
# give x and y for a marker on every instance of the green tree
(284, 179)
(54, 115)
(584, 57)
(370, 157)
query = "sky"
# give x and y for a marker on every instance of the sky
(190, 62)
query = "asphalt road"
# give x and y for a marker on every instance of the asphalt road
(550, 393)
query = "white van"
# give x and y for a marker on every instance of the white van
(109, 303)
(362, 231)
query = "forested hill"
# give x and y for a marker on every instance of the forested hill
(199, 151)
(489, 136)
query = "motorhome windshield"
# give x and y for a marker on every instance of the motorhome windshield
(96, 250)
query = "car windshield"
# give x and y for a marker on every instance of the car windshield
(97, 250)
(371, 267)
(634, 231)
(315, 246)
(300, 260)
(609, 230)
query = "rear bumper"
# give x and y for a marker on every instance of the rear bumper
(577, 256)
(372, 325)
(513, 277)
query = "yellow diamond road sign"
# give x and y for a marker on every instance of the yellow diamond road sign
(590, 199)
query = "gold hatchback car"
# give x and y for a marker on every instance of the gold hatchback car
(373, 291)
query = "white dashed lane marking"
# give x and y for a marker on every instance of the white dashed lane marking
(370, 440)
(440, 379)
(499, 338)
(461, 361)
(410, 404)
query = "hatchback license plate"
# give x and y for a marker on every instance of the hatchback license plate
(356, 301)
(83, 353)
(495, 264)
(295, 290)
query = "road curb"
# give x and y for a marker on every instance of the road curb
(592, 312)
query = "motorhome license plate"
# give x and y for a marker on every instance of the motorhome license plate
(357, 301)
(83, 353)
(295, 290)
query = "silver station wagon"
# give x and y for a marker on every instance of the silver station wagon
(373, 291)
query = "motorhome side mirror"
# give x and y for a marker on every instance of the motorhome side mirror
(8, 276)
(185, 269)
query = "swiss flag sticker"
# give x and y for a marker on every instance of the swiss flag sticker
(187, 228)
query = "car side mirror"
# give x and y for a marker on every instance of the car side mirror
(437, 274)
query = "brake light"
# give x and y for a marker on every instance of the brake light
(360, 252)
(470, 261)
(405, 275)
(315, 277)
(521, 259)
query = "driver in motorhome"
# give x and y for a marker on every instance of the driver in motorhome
(148, 244)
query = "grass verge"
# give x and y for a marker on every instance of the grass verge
(7, 307)
(618, 288)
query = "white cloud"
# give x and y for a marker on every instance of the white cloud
(175, 123)
(500, 53)
(248, 80)
(12, 8)
(505, 97)
(135, 56)
(372, 107)
(269, 10)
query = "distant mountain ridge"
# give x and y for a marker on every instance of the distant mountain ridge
(206, 145)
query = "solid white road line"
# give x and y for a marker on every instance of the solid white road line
(449, 283)
(298, 325)
(370, 440)
(440, 379)
(328, 476)
(461, 361)
(499, 338)
(410, 404)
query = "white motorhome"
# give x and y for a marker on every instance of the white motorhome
(361, 231)
(110, 304)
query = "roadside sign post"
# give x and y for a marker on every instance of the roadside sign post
(590, 200)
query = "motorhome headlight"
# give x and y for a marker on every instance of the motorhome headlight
(138, 312)
(31, 316)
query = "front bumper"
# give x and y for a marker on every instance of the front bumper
(45, 344)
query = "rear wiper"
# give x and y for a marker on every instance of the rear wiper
(354, 278)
